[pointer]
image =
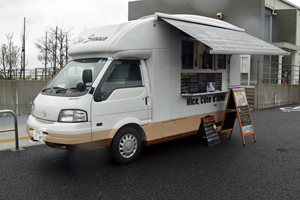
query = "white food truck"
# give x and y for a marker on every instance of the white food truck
(141, 83)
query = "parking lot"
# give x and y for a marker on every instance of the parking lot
(180, 169)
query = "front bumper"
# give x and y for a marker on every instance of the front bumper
(60, 135)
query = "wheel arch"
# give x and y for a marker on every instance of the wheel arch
(133, 125)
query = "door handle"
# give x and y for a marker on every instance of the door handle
(146, 100)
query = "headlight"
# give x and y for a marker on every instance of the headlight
(72, 116)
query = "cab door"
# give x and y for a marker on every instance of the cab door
(120, 98)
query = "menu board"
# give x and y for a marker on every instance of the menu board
(237, 106)
(245, 119)
(200, 82)
(209, 127)
(218, 81)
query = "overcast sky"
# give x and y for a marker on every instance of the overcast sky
(40, 14)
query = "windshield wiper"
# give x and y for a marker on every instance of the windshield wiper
(56, 88)
(65, 89)
(61, 90)
(44, 90)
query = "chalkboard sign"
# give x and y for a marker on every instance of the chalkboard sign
(192, 83)
(202, 83)
(245, 119)
(229, 120)
(218, 81)
(237, 107)
(209, 127)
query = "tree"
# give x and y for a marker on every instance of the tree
(54, 41)
(9, 57)
(3, 61)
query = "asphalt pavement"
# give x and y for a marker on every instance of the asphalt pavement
(180, 169)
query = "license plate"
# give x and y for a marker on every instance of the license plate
(38, 134)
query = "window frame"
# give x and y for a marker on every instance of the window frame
(197, 60)
(108, 73)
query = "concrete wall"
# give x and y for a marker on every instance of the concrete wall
(267, 96)
(19, 95)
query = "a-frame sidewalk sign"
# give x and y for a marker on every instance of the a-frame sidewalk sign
(237, 107)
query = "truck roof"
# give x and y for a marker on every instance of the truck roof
(106, 39)
(138, 38)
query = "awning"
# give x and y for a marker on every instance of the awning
(226, 41)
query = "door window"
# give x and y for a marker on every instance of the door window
(121, 74)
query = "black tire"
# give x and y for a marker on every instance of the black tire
(201, 133)
(127, 145)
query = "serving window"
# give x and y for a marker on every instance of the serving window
(195, 56)
(201, 71)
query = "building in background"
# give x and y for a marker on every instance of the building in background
(275, 21)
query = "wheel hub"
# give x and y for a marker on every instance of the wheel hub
(128, 145)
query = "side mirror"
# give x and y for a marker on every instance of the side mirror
(87, 76)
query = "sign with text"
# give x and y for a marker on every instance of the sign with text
(245, 119)
(237, 107)
(192, 83)
(209, 127)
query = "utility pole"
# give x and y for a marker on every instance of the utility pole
(61, 62)
(46, 58)
(55, 47)
(66, 48)
(21, 62)
(23, 51)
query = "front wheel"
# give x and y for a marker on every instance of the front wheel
(126, 145)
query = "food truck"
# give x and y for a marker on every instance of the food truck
(142, 82)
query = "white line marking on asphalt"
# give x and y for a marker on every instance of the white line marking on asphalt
(289, 109)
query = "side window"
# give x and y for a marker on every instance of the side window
(121, 74)
(221, 61)
(194, 55)
(187, 55)
(207, 61)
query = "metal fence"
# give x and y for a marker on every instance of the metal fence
(277, 73)
(42, 74)
(31, 74)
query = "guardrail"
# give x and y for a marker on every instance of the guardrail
(16, 127)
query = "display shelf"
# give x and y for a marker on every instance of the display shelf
(206, 93)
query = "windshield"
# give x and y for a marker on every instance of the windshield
(69, 76)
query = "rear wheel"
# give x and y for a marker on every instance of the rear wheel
(126, 145)
(201, 133)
